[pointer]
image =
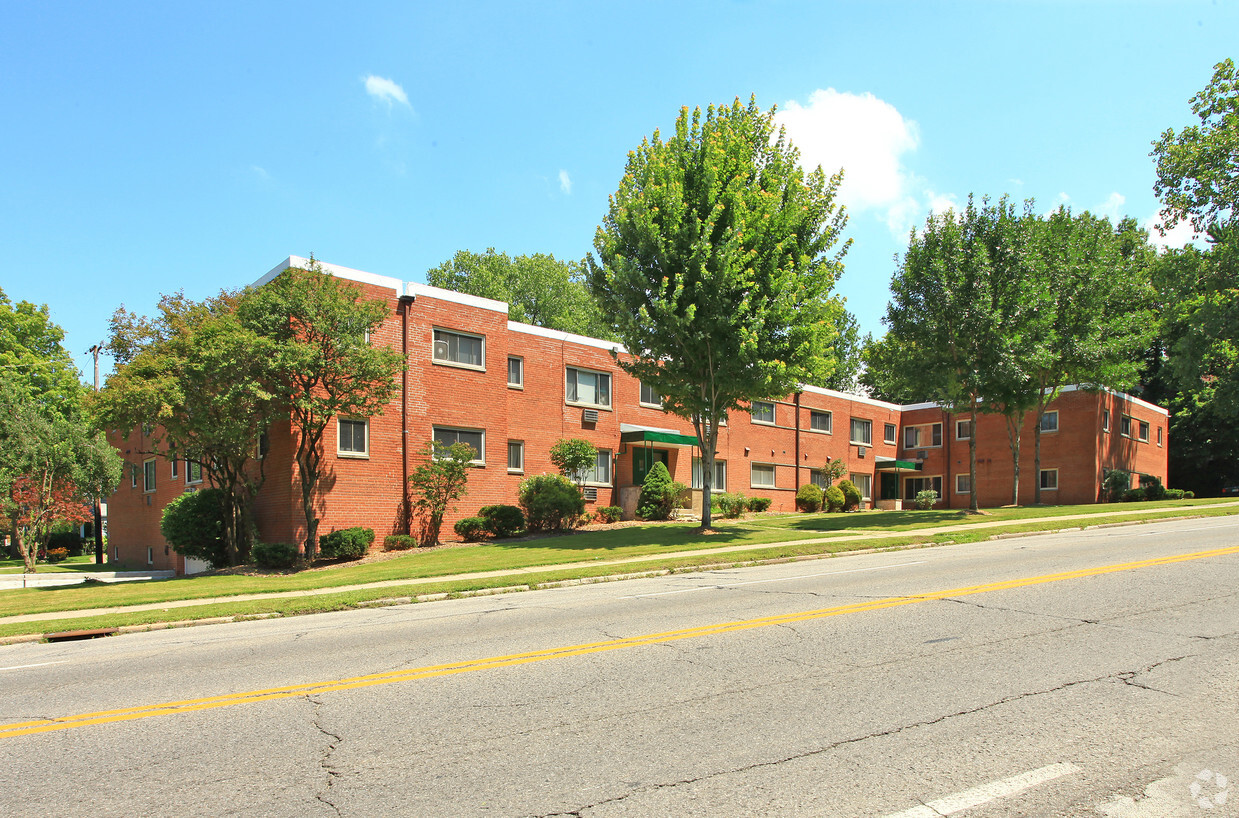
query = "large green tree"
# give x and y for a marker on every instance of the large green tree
(714, 267)
(324, 362)
(205, 385)
(539, 289)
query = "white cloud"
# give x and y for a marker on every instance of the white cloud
(869, 139)
(565, 182)
(385, 90)
(1177, 237)
(1113, 207)
(260, 172)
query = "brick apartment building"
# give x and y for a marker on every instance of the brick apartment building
(511, 390)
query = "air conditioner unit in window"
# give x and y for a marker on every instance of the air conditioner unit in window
(589, 415)
(589, 494)
(440, 353)
(922, 454)
(860, 451)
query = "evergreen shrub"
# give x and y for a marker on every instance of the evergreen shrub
(809, 497)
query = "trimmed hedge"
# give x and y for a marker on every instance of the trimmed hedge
(834, 499)
(551, 502)
(471, 529)
(193, 525)
(758, 504)
(347, 543)
(809, 497)
(503, 521)
(274, 554)
(609, 514)
(399, 542)
(851, 495)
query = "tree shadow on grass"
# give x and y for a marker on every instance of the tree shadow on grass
(666, 536)
(872, 520)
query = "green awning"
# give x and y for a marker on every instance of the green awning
(665, 438)
(897, 465)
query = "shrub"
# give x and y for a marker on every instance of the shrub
(193, 524)
(1189, 495)
(438, 482)
(551, 502)
(502, 521)
(347, 543)
(1115, 484)
(1153, 488)
(925, 499)
(471, 529)
(1133, 496)
(809, 497)
(274, 554)
(609, 514)
(69, 540)
(758, 504)
(732, 505)
(833, 499)
(573, 456)
(399, 542)
(660, 495)
(851, 495)
(57, 554)
(1174, 494)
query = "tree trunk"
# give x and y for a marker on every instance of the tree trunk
(1015, 425)
(972, 461)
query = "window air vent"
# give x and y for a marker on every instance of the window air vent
(590, 493)
(860, 451)
(589, 415)
(440, 353)
(922, 454)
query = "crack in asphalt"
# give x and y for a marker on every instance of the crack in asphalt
(324, 761)
(1123, 676)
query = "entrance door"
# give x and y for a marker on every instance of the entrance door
(888, 486)
(643, 460)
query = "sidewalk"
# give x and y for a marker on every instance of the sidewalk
(519, 572)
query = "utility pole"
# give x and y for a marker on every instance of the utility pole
(98, 527)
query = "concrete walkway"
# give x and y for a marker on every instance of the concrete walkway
(57, 578)
(517, 573)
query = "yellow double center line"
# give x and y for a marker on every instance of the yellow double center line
(315, 688)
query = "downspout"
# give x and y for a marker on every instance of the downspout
(797, 472)
(405, 508)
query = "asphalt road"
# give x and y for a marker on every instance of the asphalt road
(1086, 673)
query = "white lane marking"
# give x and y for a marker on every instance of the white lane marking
(985, 793)
(39, 664)
(777, 579)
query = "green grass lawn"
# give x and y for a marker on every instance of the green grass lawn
(768, 535)
(85, 562)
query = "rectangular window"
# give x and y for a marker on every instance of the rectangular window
(862, 432)
(911, 436)
(459, 349)
(516, 372)
(720, 475)
(821, 421)
(649, 397)
(923, 436)
(1125, 426)
(193, 472)
(516, 455)
(1105, 420)
(1144, 431)
(762, 412)
(150, 555)
(864, 482)
(1049, 421)
(818, 478)
(176, 463)
(262, 446)
(475, 438)
(890, 434)
(1049, 479)
(963, 484)
(148, 474)
(353, 438)
(1159, 435)
(600, 473)
(133, 477)
(915, 485)
(963, 430)
(763, 475)
(589, 388)
(935, 434)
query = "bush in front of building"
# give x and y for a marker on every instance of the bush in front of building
(274, 554)
(399, 542)
(758, 504)
(68, 539)
(732, 505)
(440, 480)
(1115, 484)
(1153, 488)
(660, 495)
(851, 495)
(809, 497)
(471, 529)
(347, 543)
(193, 524)
(925, 499)
(551, 502)
(1133, 496)
(833, 499)
(609, 514)
(502, 520)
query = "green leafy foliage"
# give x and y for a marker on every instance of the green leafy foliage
(809, 497)
(925, 499)
(834, 499)
(573, 456)
(399, 542)
(713, 268)
(551, 502)
(348, 543)
(471, 529)
(69, 540)
(851, 495)
(503, 520)
(1153, 487)
(759, 504)
(440, 480)
(609, 514)
(193, 524)
(732, 504)
(274, 554)
(660, 495)
(1115, 484)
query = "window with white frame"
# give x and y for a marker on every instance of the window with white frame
(762, 412)
(1159, 435)
(354, 438)
(175, 471)
(148, 474)
(1049, 421)
(864, 483)
(1105, 420)
(193, 472)
(1144, 431)
(890, 433)
(650, 397)
(133, 477)
(150, 555)
(459, 349)
(927, 436)
(762, 475)
(600, 473)
(963, 430)
(474, 438)
(720, 475)
(821, 421)
(516, 455)
(1049, 479)
(861, 433)
(516, 372)
(588, 388)
(963, 484)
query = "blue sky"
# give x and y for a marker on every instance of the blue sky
(155, 147)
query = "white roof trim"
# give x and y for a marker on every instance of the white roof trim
(1153, 407)
(426, 291)
(831, 393)
(559, 335)
(633, 427)
(394, 284)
